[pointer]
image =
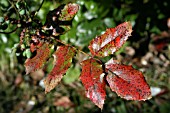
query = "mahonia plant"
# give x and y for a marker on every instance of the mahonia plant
(43, 43)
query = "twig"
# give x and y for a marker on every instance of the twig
(15, 8)
(39, 8)
(9, 31)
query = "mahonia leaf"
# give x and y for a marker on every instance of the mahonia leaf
(127, 82)
(62, 59)
(42, 54)
(92, 77)
(68, 12)
(60, 19)
(111, 40)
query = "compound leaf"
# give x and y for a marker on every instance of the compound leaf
(127, 82)
(111, 40)
(92, 77)
(62, 61)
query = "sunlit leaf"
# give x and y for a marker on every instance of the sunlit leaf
(127, 82)
(62, 61)
(92, 77)
(111, 40)
(35, 63)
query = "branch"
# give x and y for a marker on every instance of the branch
(9, 31)
(14, 8)
(39, 8)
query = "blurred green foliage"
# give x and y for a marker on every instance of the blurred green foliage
(147, 17)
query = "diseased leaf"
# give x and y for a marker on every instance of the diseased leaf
(68, 12)
(92, 77)
(127, 82)
(111, 40)
(62, 61)
(60, 19)
(35, 63)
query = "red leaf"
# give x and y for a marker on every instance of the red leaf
(62, 59)
(68, 12)
(35, 63)
(59, 20)
(161, 41)
(127, 82)
(63, 102)
(92, 77)
(111, 40)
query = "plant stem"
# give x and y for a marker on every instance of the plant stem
(39, 8)
(73, 47)
(14, 8)
(10, 31)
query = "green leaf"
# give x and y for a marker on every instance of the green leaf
(72, 75)
(1, 19)
(27, 53)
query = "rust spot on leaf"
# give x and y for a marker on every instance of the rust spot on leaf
(62, 61)
(35, 63)
(127, 82)
(92, 78)
(111, 41)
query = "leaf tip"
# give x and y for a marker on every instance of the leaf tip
(147, 97)
(48, 86)
(101, 107)
(28, 69)
(129, 28)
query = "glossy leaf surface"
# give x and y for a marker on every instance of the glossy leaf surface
(92, 77)
(62, 61)
(111, 40)
(127, 82)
